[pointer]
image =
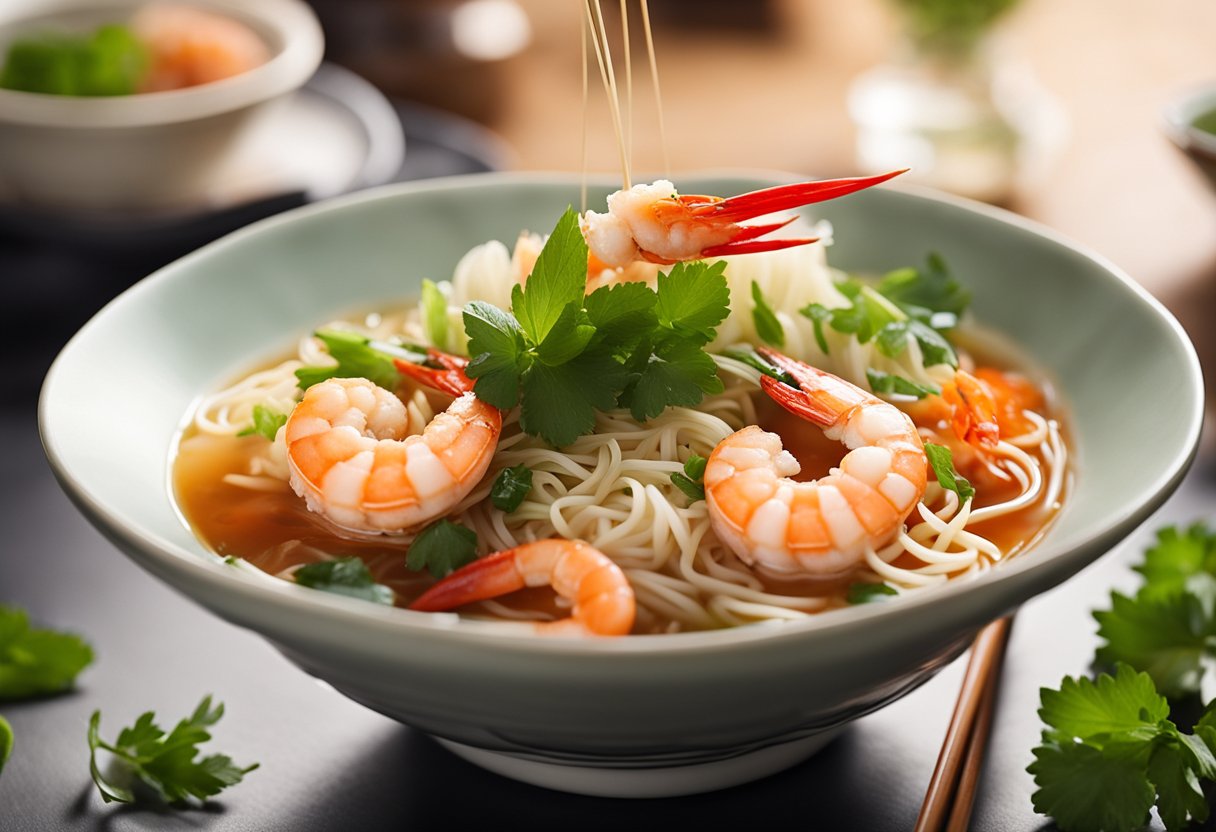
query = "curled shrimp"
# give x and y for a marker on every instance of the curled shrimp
(603, 600)
(655, 224)
(819, 528)
(351, 460)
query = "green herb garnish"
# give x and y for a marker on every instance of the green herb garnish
(434, 314)
(6, 742)
(442, 547)
(881, 382)
(768, 327)
(111, 61)
(266, 422)
(564, 355)
(752, 359)
(37, 662)
(1109, 753)
(510, 488)
(690, 481)
(942, 462)
(344, 576)
(357, 357)
(165, 762)
(863, 593)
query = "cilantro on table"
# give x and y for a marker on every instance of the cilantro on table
(563, 355)
(510, 488)
(266, 422)
(36, 662)
(768, 327)
(690, 482)
(442, 547)
(111, 61)
(358, 356)
(865, 593)
(6, 741)
(924, 304)
(942, 463)
(1168, 628)
(165, 762)
(344, 576)
(1109, 753)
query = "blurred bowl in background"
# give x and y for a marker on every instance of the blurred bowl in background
(148, 152)
(1190, 122)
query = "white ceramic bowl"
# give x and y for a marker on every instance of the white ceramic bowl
(638, 716)
(142, 152)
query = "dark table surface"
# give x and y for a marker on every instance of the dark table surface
(327, 763)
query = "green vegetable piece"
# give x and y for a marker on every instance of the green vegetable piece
(112, 61)
(1125, 703)
(558, 279)
(692, 489)
(165, 762)
(752, 359)
(1086, 789)
(865, 593)
(622, 313)
(881, 382)
(680, 374)
(942, 462)
(694, 466)
(356, 357)
(818, 315)
(344, 576)
(37, 662)
(434, 315)
(768, 327)
(567, 338)
(6, 742)
(442, 547)
(922, 292)
(266, 422)
(693, 299)
(559, 403)
(499, 352)
(510, 488)
(1177, 556)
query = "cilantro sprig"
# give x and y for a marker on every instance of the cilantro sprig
(36, 662)
(510, 488)
(358, 356)
(942, 463)
(563, 355)
(442, 548)
(266, 422)
(691, 480)
(164, 762)
(344, 576)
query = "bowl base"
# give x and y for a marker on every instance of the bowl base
(661, 781)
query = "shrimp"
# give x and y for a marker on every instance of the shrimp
(820, 528)
(189, 47)
(603, 600)
(655, 224)
(351, 461)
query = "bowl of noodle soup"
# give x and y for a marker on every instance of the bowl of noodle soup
(728, 675)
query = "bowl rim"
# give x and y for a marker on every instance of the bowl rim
(293, 22)
(1179, 115)
(343, 612)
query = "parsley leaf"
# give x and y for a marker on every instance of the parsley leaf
(511, 487)
(442, 547)
(558, 279)
(690, 481)
(768, 327)
(679, 374)
(165, 762)
(931, 289)
(344, 576)
(623, 312)
(694, 299)
(497, 345)
(1175, 557)
(559, 403)
(356, 358)
(863, 593)
(942, 462)
(1087, 790)
(37, 662)
(6, 742)
(266, 422)
(434, 314)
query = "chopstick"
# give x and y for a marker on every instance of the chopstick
(955, 777)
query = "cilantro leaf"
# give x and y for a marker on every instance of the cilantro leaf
(692, 490)
(865, 593)
(1171, 769)
(818, 315)
(559, 403)
(434, 314)
(266, 422)
(165, 762)
(679, 374)
(1086, 789)
(511, 487)
(6, 742)
(442, 547)
(881, 382)
(559, 278)
(768, 327)
(694, 466)
(356, 358)
(932, 288)
(344, 576)
(623, 312)
(497, 345)
(36, 662)
(1126, 703)
(567, 338)
(1165, 635)
(694, 299)
(942, 462)
(1176, 556)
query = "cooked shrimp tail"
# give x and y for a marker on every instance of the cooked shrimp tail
(603, 601)
(449, 378)
(783, 197)
(820, 528)
(973, 411)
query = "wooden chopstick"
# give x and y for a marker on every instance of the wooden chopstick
(963, 748)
